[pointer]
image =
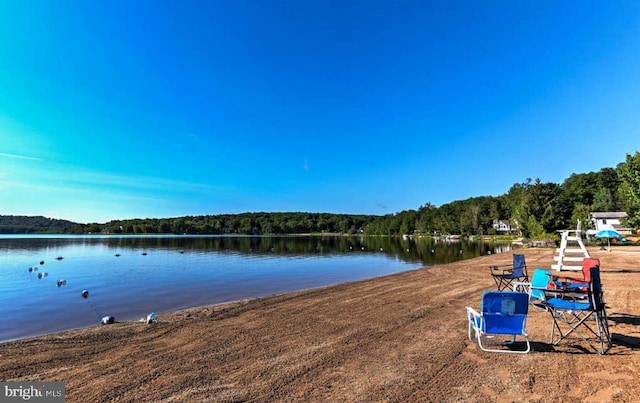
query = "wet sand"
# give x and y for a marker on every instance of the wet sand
(401, 337)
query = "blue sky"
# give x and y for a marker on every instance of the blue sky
(125, 109)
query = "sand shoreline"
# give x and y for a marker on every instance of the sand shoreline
(396, 338)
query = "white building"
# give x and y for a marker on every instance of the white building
(609, 220)
(505, 226)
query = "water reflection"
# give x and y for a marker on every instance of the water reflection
(423, 251)
(130, 276)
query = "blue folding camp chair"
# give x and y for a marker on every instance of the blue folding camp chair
(572, 313)
(540, 280)
(506, 275)
(503, 313)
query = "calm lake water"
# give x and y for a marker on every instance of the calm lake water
(130, 276)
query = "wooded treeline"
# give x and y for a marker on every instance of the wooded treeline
(245, 223)
(10, 224)
(538, 208)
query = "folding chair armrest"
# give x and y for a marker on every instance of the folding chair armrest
(472, 313)
(474, 325)
(474, 317)
(498, 267)
(522, 285)
(563, 293)
(556, 277)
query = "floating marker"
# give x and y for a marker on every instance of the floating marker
(85, 294)
(152, 318)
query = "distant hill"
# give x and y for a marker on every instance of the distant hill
(10, 224)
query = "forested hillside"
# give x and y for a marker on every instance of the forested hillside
(29, 225)
(538, 208)
(245, 223)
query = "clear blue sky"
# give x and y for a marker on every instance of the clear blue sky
(125, 109)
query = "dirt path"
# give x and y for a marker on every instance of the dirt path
(395, 338)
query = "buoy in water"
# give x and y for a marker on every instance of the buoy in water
(152, 318)
(108, 320)
(61, 282)
(85, 294)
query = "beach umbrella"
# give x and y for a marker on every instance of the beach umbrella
(608, 233)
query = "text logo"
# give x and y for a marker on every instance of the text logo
(41, 392)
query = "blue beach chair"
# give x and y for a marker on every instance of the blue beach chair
(506, 275)
(540, 280)
(502, 313)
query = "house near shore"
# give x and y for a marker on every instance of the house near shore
(505, 227)
(608, 220)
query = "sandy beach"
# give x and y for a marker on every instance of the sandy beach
(401, 337)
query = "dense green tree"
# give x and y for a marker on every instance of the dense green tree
(608, 179)
(534, 228)
(581, 212)
(602, 200)
(629, 189)
(516, 203)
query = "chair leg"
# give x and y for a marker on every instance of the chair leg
(513, 340)
(601, 333)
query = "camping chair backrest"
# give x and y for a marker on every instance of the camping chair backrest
(519, 265)
(587, 264)
(539, 282)
(505, 312)
(596, 297)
